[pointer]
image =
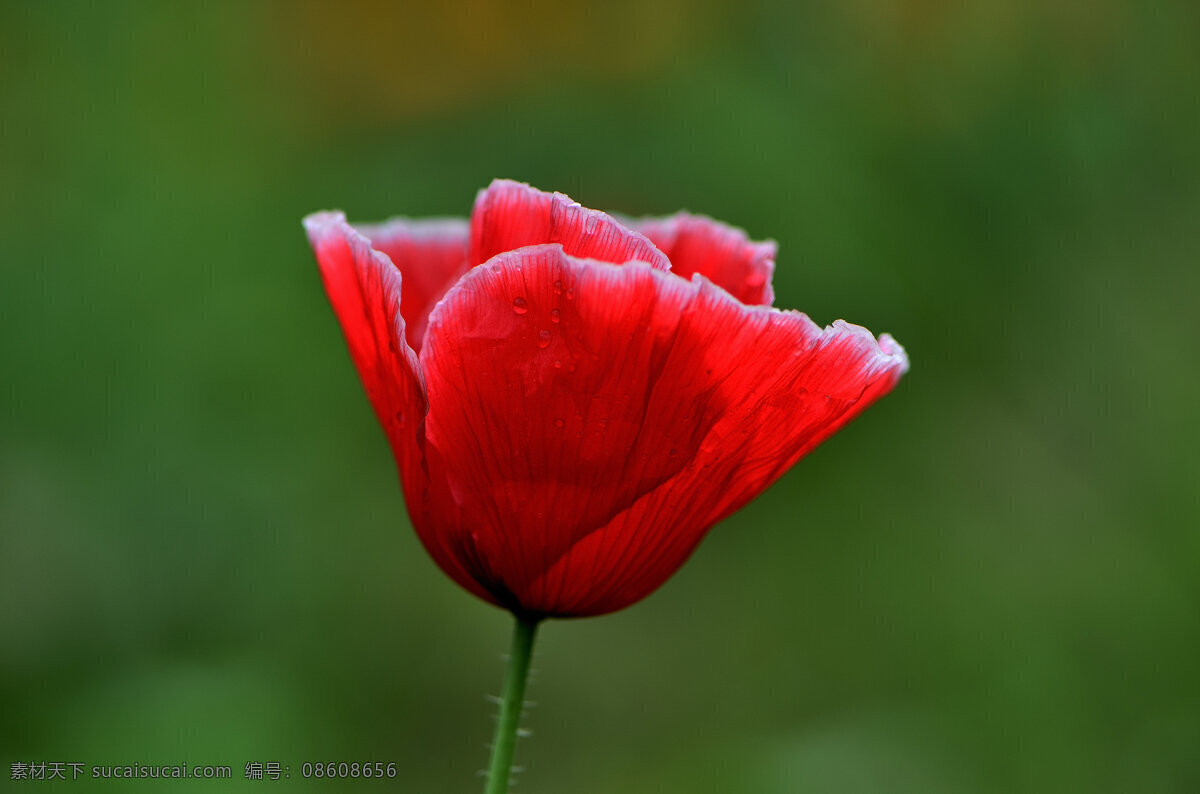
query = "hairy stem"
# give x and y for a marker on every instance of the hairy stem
(511, 704)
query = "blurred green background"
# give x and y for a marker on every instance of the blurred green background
(988, 583)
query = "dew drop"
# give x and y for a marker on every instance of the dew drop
(557, 364)
(520, 306)
(559, 423)
(571, 294)
(554, 315)
(674, 452)
(543, 340)
(558, 286)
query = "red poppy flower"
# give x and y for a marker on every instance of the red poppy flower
(573, 400)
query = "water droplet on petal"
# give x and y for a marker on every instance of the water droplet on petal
(559, 423)
(557, 364)
(543, 340)
(674, 452)
(558, 286)
(520, 306)
(554, 315)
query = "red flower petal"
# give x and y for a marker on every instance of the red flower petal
(722, 254)
(365, 291)
(591, 422)
(431, 255)
(510, 215)
(633, 562)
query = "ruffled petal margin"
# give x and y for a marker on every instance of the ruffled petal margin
(723, 254)
(590, 422)
(509, 215)
(431, 254)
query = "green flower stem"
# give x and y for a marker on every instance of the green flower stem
(511, 704)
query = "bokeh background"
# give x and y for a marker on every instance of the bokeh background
(988, 583)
